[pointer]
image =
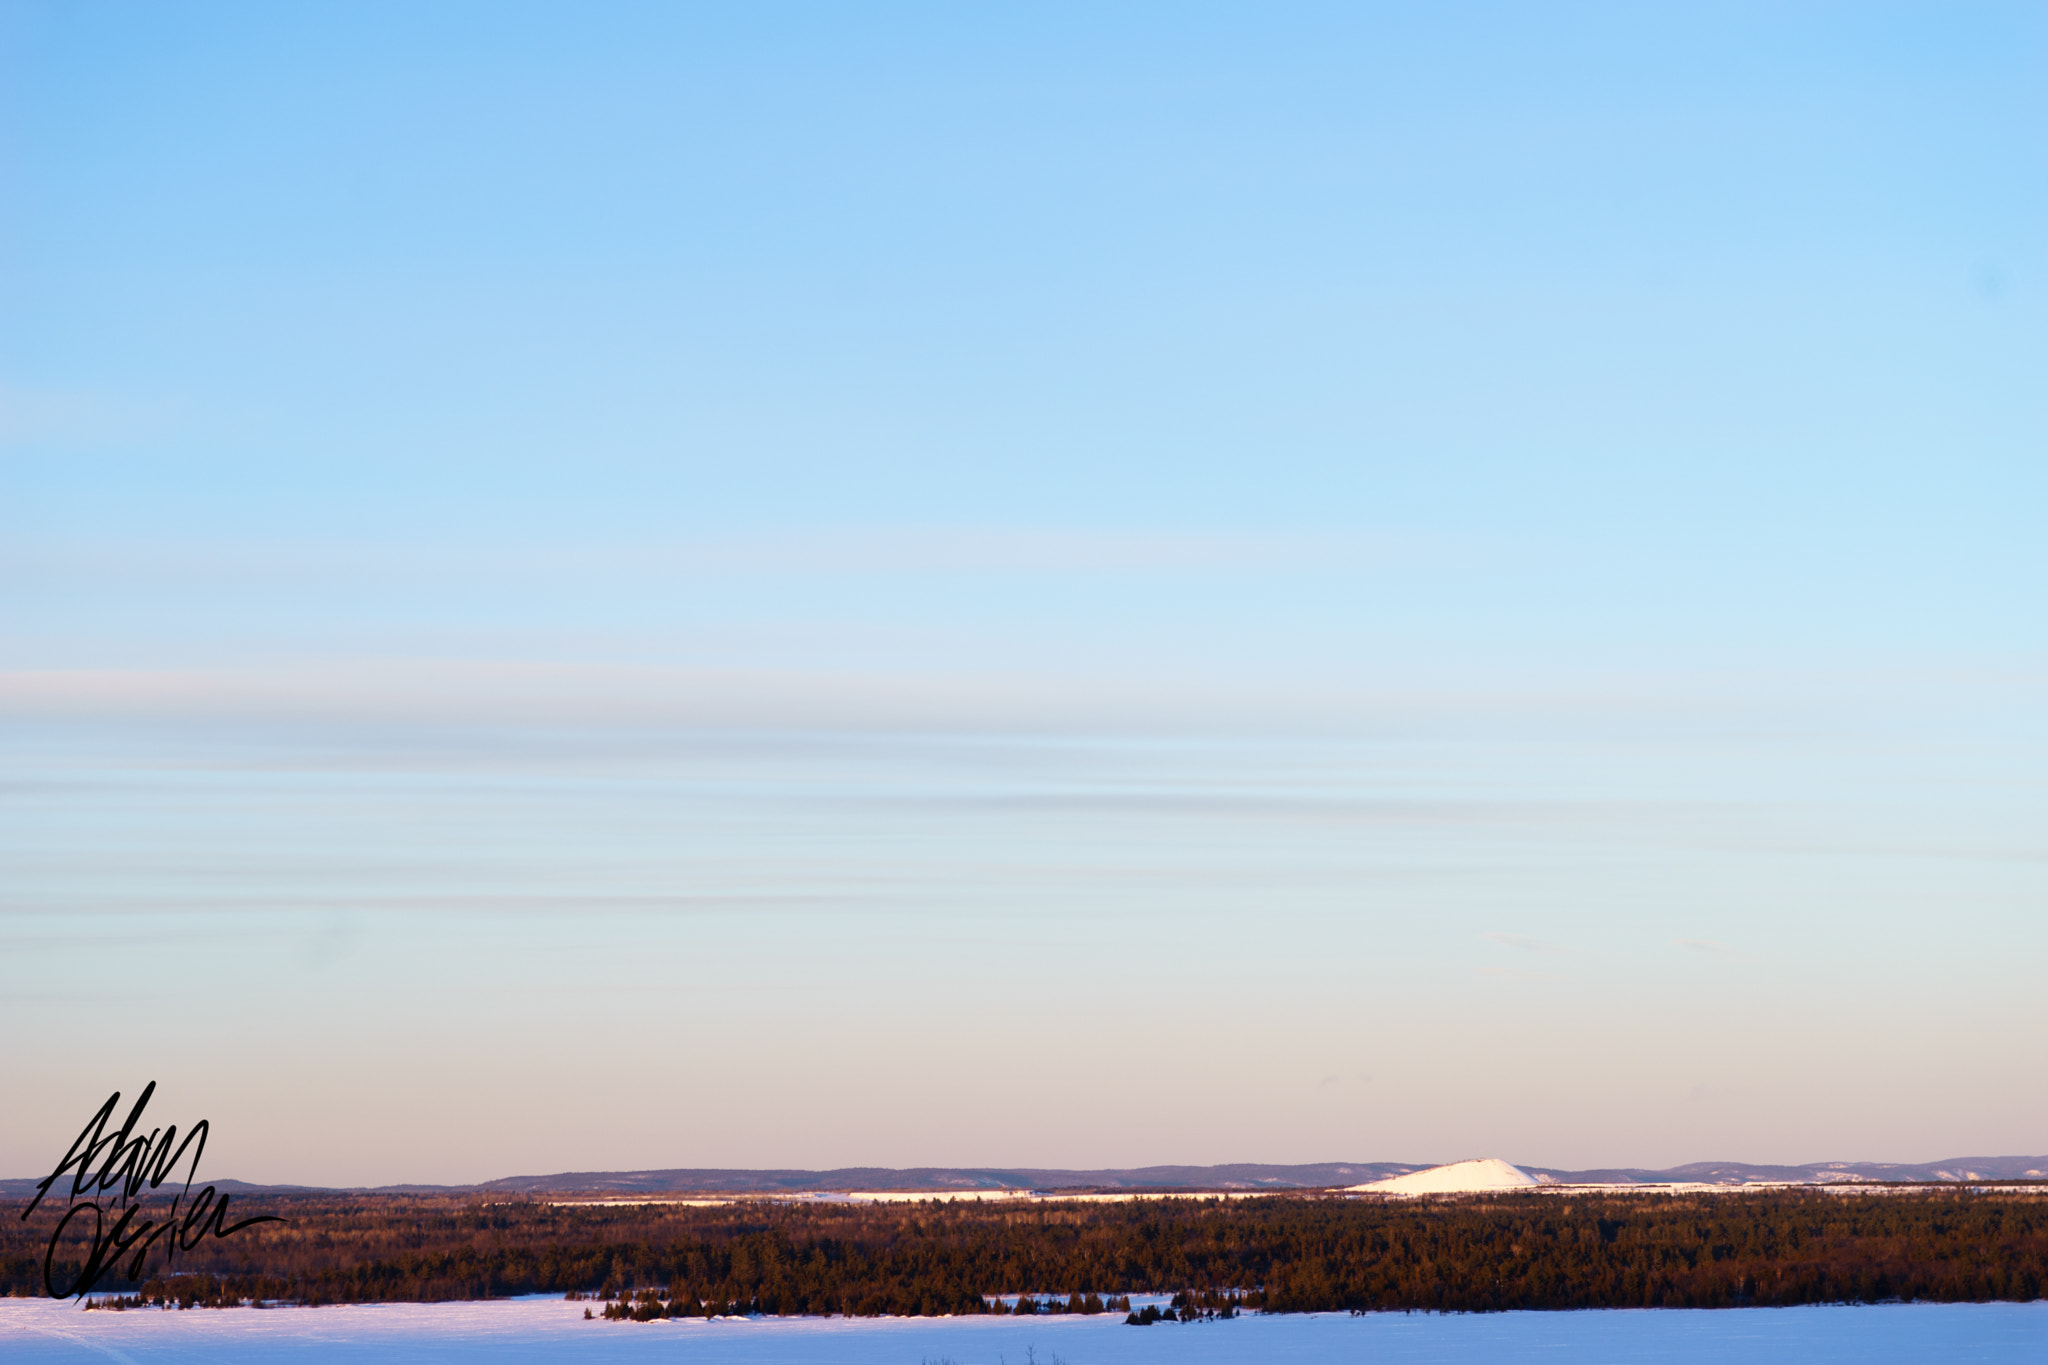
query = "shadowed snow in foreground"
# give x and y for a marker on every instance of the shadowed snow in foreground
(42, 1332)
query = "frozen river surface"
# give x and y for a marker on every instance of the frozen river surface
(42, 1332)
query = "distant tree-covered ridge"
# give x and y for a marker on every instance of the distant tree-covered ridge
(1470, 1254)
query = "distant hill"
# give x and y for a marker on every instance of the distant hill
(1239, 1177)
(1815, 1173)
(1325, 1175)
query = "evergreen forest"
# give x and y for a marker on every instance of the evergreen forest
(1278, 1255)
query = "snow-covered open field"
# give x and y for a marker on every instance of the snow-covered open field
(41, 1332)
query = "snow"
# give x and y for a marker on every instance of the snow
(535, 1330)
(940, 1196)
(1460, 1177)
(918, 1196)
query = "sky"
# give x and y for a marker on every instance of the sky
(620, 586)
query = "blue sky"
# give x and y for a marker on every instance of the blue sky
(1049, 586)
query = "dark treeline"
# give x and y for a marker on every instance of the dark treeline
(1476, 1253)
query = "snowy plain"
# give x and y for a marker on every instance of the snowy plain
(43, 1332)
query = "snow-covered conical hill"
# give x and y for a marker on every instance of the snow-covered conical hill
(1460, 1177)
